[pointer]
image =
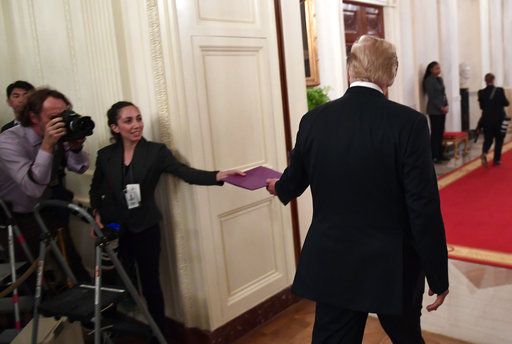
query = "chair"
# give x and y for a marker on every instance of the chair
(456, 138)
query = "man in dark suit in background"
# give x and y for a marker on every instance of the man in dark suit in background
(377, 228)
(492, 100)
(17, 94)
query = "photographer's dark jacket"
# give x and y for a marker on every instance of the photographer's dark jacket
(492, 101)
(377, 224)
(149, 161)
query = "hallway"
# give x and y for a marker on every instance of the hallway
(294, 325)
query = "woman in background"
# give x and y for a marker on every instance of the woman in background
(122, 192)
(437, 108)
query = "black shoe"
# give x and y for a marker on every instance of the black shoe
(445, 159)
(483, 158)
(496, 162)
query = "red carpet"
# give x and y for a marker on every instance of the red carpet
(477, 209)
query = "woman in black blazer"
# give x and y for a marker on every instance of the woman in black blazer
(437, 108)
(122, 193)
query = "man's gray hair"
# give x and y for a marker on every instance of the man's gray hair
(372, 59)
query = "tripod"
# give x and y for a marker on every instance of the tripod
(12, 229)
(102, 296)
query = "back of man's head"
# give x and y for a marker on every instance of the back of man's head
(489, 78)
(35, 103)
(25, 85)
(372, 59)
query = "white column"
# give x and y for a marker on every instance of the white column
(331, 46)
(507, 38)
(407, 69)
(425, 42)
(392, 25)
(449, 60)
(496, 40)
(485, 47)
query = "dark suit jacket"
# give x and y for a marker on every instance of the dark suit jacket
(376, 211)
(434, 87)
(493, 111)
(149, 161)
(8, 125)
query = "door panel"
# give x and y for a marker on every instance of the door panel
(231, 69)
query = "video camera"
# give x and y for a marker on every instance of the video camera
(77, 126)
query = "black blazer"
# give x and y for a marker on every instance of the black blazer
(149, 161)
(376, 211)
(493, 111)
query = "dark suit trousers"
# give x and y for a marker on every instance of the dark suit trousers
(335, 325)
(144, 249)
(493, 133)
(437, 123)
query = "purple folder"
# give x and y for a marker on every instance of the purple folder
(254, 178)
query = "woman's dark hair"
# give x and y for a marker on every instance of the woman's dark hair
(35, 103)
(113, 114)
(428, 72)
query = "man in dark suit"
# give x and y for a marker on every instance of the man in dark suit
(492, 100)
(377, 228)
(17, 93)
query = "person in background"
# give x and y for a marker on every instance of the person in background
(437, 108)
(377, 227)
(17, 94)
(122, 193)
(492, 101)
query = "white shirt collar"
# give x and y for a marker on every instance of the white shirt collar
(367, 84)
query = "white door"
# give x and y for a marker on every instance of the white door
(233, 100)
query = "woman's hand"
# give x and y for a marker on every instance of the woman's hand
(97, 219)
(222, 175)
(444, 109)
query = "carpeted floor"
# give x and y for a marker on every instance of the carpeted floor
(476, 205)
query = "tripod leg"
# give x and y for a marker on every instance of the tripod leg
(12, 260)
(23, 243)
(97, 297)
(133, 292)
(37, 298)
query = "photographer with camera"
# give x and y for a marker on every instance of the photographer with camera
(33, 156)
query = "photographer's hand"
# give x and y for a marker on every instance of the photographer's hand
(76, 145)
(53, 131)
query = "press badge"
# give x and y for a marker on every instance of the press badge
(132, 195)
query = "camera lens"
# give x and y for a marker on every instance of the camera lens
(77, 126)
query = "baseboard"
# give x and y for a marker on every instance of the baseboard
(237, 327)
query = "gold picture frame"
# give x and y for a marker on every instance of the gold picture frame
(307, 9)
